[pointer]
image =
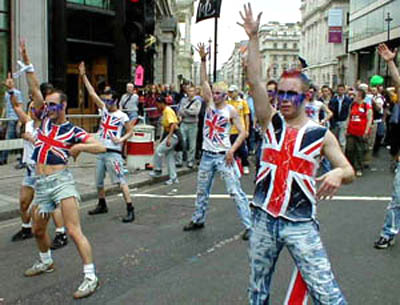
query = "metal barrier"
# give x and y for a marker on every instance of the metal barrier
(19, 143)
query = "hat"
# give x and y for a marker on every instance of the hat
(303, 62)
(233, 88)
(363, 87)
(376, 80)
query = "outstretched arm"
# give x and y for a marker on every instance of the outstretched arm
(207, 93)
(31, 78)
(389, 57)
(92, 93)
(264, 109)
(23, 117)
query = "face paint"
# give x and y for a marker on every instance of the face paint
(294, 97)
(109, 102)
(53, 107)
(271, 93)
(219, 95)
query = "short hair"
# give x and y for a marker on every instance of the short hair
(325, 87)
(61, 94)
(44, 87)
(272, 82)
(162, 98)
(341, 86)
(294, 73)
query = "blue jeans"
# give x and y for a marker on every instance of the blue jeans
(209, 165)
(391, 225)
(302, 239)
(169, 153)
(11, 133)
(189, 134)
(326, 165)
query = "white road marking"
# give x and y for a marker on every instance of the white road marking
(226, 196)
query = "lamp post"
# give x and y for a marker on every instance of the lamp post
(388, 20)
(209, 60)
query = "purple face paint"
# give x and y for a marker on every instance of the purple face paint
(109, 102)
(219, 95)
(53, 107)
(293, 97)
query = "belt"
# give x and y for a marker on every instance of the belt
(114, 151)
(214, 153)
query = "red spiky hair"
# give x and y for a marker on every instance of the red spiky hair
(295, 73)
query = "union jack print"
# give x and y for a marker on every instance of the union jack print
(109, 126)
(215, 126)
(289, 161)
(54, 142)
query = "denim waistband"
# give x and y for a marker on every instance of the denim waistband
(53, 176)
(214, 152)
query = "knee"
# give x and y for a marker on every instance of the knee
(74, 231)
(24, 203)
(38, 231)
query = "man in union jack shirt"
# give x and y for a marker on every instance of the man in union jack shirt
(284, 206)
(113, 122)
(58, 140)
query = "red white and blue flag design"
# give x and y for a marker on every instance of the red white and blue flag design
(54, 142)
(109, 126)
(285, 184)
(215, 127)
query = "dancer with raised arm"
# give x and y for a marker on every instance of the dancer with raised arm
(218, 153)
(284, 206)
(57, 140)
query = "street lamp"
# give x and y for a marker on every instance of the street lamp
(209, 59)
(388, 20)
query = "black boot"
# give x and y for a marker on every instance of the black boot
(130, 215)
(101, 208)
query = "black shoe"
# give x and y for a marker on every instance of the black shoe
(130, 216)
(22, 234)
(59, 241)
(192, 226)
(383, 243)
(20, 166)
(99, 209)
(246, 234)
(179, 165)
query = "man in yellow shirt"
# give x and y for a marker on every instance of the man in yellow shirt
(168, 143)
(242, 108)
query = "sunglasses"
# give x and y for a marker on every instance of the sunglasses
(291, 96)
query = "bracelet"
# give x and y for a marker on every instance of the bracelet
(29, 68)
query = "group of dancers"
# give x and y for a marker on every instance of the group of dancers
(282, 213)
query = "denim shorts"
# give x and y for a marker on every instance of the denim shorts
(30, 176)
(112, 163)
(52, 189)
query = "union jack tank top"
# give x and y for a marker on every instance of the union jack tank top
(54, 142)
(285, 183)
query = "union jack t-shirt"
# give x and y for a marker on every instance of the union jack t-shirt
(217, 127)
(285, 183)
(54, 142)
(111, 125)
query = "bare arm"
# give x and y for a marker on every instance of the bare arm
(31, 78)
(92, 93)
(328, 112)
(369, 121)
(128, 131)
(264, 109)
(28, 137)
(342, 172)
(90, 146)
(389, 57)
(23, 117)
(207, 93)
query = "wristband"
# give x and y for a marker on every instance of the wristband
(10, 92)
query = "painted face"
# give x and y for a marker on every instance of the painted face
(290, 97)
(219, 96)
(53, 106)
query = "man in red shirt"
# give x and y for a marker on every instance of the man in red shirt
(358, 128)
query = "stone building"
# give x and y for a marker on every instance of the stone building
(279, 47)
(327, 62)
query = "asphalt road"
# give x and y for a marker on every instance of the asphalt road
(152, 261)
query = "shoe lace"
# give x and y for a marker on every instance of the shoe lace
(85, 284)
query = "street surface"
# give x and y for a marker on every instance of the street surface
(152, 261)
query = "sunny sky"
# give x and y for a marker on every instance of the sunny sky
(229, 32)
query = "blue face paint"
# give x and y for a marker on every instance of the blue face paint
(53, 107)
(292, 96)
(109, 102)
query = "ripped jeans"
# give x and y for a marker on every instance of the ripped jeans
(209, 165)
(391, 225)
(302, 239)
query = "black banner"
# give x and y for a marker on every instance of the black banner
(208, 9)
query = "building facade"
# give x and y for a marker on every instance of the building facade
(279, 47)
(328, 62)
(369, 26)
(233, 72)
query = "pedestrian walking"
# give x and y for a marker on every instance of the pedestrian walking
(284, 204)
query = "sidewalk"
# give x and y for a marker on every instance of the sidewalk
(84, 173)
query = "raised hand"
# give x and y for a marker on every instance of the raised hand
(201, 49)
(9, 82)
(385, 52)
(82, 68)
(250, 24)
(23, 52)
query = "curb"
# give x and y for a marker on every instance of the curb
(7, 215)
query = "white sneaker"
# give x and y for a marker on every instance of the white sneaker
(87, 288)
(39, 267)
(246, 170)
(172, 181)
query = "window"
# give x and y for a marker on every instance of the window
(104, 4)
(295, 46)
(4, 38)
(275, 45)
(274, 57)
(285, 45)
(284, 57)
